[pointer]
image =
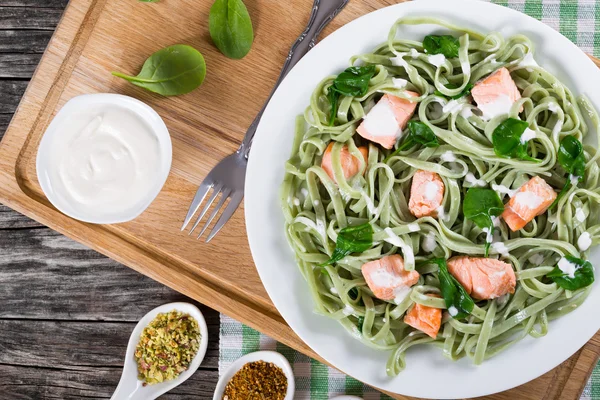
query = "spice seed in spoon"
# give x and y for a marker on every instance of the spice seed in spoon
(257, 381)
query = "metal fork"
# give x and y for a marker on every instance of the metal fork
(227, 177)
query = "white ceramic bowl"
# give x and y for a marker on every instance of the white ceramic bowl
(85, 102)
(267, 356)
(130, 387)
(428, 373)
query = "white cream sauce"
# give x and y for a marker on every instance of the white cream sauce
(107, 159)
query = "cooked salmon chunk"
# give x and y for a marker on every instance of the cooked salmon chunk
(496, 94)
(483, 278)
(385, 122)
(350, 164)
(387, 278)
(426, 194)
(426, 319)
(531, 200)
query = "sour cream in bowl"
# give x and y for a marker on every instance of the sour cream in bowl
(104, 158)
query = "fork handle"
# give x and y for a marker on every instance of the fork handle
(323, 12)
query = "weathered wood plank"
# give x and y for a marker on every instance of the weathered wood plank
(24, 41)
(71, 345)
(18, 65)
(18, 382)
(61, 4)
(11, 93)
(44, 18)
(10, 219)
(48, 276)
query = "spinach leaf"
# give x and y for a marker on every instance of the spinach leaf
(354, 81)
(361, 322)
(418, 133)
(506, 139)
(466, 91)
(582, 277)
(230, 28)
(479, 206)
(572, 159)
(445, 44)
(458, 301)
(352, 239)
(174, 70)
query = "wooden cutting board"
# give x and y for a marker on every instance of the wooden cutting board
(98, 36)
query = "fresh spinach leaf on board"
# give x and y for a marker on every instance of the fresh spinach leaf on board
(506, 140)
(352, 239)
(458, 302)
(354, 81)
(174, 70)
(445, 44)
(582, 276)
(230, 28)
(466, 91)
(572, 159)
(479, 206)
(418, 133)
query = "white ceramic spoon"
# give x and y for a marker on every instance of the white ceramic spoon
(267, 356)
(130, 387)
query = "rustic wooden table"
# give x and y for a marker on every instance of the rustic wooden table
(66, 312)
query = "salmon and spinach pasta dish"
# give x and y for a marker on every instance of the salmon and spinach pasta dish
(443, 192)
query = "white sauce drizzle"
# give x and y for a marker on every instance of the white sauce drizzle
(504, 190)
(473, 181)
(552, 106)
(400, 293)
(392, 238)
(528, 61)
(567, 267)
(431, 190)
(528, 135)
(529, 200)
(452, 311)
(466, 112)
(500, 248)
(584, 242)
(579, 214)
(348, 310)
(381, 121)
(399, 83)
(437, 59)
(574, 179)
(414, 53)
(448, 156)
(414, 227)
(453, 107)
(399, 61)
(333, 290)
(501, 105)
(429, 242)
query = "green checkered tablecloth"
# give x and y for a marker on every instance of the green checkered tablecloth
(578, 20)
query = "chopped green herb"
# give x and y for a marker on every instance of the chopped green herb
(354, 81)
(506, 139)
(572, 159)
(445, 44)
(582, 276)
(418, 133)
(352, 239)
(458, 302)
(479, 206)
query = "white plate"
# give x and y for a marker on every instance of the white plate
(428, 373)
